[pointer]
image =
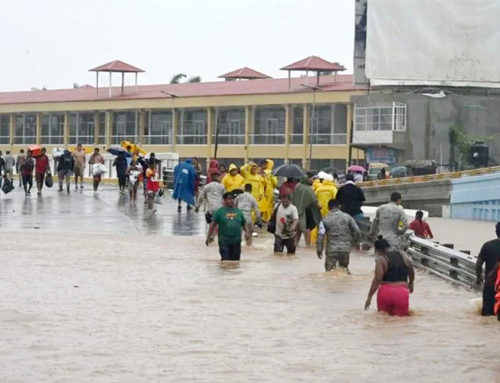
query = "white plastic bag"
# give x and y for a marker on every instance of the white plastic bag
(98, 169)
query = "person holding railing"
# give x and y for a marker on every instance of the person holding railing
(420, 227)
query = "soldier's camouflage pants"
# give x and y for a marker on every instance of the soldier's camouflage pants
(333, 257)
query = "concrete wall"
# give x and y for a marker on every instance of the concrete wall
(476, 198)
(430, 196)
(429, 120)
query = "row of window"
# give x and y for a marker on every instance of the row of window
(384, 117)
(328, 124)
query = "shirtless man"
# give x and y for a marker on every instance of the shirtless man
(79, 156)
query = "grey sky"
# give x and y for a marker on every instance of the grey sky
(55, 43)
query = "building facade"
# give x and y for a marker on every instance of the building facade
(270, 118)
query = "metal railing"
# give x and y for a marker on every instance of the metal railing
(430, 177)
(449, 264)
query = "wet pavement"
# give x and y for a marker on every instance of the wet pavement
(106, 211)
(101, 292)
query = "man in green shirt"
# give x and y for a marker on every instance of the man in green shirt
(231, 222)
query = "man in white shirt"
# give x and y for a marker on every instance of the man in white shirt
(287, 219)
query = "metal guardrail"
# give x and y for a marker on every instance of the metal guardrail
(449, 264)
(429, 177)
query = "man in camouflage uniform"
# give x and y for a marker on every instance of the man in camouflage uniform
(341, 234)
(391, 222)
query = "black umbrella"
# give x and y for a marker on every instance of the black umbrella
(290, 171)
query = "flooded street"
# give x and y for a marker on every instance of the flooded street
(93, 292)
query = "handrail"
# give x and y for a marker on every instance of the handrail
(429, 177)
(449, 264)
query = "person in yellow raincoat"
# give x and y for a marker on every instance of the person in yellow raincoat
(233, 180)
(319, 179)
(324, 193)
(266, 205)
(251, 176)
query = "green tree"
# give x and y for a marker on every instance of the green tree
(176, 78)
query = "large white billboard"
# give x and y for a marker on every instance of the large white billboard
(433, 42)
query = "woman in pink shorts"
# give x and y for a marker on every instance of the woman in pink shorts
(393, 279)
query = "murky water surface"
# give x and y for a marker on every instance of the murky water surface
(98, 293)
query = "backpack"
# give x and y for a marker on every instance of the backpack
(7, 186)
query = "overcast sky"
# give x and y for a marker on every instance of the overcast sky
(54, 43)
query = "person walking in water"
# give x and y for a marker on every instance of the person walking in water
(65, 167)
(490, 256)
(341, 234)
(10, 162)
(184, 177)
(247, 203)
(391, 222)
(96, 158)
(120, 163)
(134, 174)
(233, 181)
(27, 173)
(21, 157)
(420, 227)
(152, 186)
(393, 280)
(351, 198)
(230, 223)
(79, 169)
(287, 222)
(212, 195)
(42, 167)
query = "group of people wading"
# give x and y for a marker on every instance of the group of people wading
(314, 207)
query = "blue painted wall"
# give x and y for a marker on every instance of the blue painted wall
(476, 197)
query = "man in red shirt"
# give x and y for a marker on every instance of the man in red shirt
(420, 227)
(42, 167)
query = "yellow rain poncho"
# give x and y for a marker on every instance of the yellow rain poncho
(231, 182)
(324, 193)
(256, 180)
(266, 204)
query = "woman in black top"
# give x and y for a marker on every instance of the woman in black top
(393, 279)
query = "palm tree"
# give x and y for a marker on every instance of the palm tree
(194, 79)
(176, 78)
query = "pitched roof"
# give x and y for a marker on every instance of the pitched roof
(327, 83)
(244, 73)
(116, 66)
(313, 63)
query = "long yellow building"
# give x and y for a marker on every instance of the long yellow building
(253, 119)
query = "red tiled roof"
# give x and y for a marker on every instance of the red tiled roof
(218, 88)
(245, 73)
(313, 63)
(116, 66)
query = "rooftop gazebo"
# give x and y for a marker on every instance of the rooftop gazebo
(244, 73)
(313, 64)
(116, 66)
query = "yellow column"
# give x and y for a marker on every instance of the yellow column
(349, 132)
(306, 124)
(288, 128)
(248, 129)
(38, 132)
(175, 128)
(97, 128)
(109, 127)
(66, 130)
(142, 125)
(12, 129)
(210, 129)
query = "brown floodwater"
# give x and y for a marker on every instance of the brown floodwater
(118, 305)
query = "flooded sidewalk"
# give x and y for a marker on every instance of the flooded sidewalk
(98, 294)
